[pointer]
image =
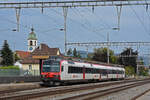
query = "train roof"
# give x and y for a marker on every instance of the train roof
(71, 59)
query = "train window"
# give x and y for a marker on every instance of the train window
(72, 69)
(95, 71)
(92, 70)
(113, 72)
(88, 70)
(51, 66)
(103, 71)
(62, 68)
(109, 71)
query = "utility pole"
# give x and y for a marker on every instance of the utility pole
(108, 48)
(65, 10)
(137, 67)
(18, 17)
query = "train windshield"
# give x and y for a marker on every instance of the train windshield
(51, 66)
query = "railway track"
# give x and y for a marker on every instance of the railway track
(53, 91)
(101, 93)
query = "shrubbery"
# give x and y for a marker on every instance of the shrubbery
(9, 67)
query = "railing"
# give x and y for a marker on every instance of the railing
(16, 72)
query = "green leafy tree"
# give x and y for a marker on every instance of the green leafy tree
(129, 70)
(69, 52)
(128, 58)
(75, 52)
(114, 59)
(143, 71)
(78, 55)
(7, 55)
(100, 54)
(16, 57)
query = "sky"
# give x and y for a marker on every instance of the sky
(83, 25)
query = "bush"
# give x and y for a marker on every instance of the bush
(143, 71)
(9, 67)
(129, 70)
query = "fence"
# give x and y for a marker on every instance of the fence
(16, 72)
(18, 75)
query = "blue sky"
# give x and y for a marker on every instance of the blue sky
(83, 25)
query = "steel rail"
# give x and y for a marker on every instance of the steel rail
(52, 92)
(101, 93)
(138, 96)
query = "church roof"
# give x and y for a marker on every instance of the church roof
(32, 35)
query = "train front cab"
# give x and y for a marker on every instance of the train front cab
(50, 72)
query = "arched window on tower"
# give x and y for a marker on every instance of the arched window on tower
(31, 43)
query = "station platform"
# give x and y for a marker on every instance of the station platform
(12, 86)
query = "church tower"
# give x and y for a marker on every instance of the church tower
(32, 41)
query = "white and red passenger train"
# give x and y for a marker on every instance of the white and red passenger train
(55, 71)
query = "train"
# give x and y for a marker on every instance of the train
(57, 71)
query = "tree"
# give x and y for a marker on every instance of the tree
(143, 71)
(129, 71)
(78, 55)
(69, 52)
(90, 56)
(100, 54)
(114, 59)
(7, 55)
(16, 58)
(128, 58)
(75, 52)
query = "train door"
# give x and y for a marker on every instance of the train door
(83, 72)
(64, 72)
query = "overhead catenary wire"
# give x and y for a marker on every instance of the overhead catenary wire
(86, 26)
(147, 12)
(100, 18)
(83, 25)
(141, 22)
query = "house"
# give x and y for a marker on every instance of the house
(28, 62)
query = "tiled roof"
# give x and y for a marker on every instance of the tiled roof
(43, 50)
(22, 54)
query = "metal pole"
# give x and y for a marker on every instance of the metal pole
(108, 48)
(65, 10)
(137, 68)
(18, 17)
(119, 14)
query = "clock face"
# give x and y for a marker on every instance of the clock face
(30, 48)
